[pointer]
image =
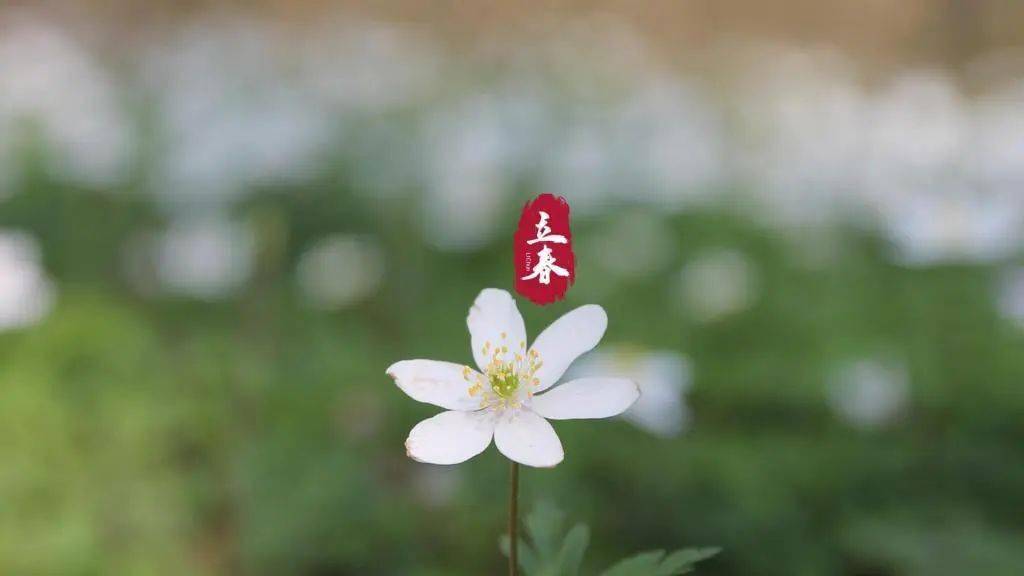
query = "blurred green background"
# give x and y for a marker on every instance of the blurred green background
(219, 225)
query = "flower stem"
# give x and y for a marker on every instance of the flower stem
(513, 520)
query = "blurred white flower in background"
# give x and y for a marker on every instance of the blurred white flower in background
(664, 378)
(51, 88)
(997, 140)
(635, 244)
(208, 258)
(657, 142)
(369, 67)
(367, 77)
(939, 179)
(339, 271)
(1010, 296)
(716, 283)
(625, 129)
(869, 393)
(803, 117)
(915, 179)
(587, 111)
(230, 117)
(468, 162)
(930, 227)
(669, 143)
(588, 59)
(26, 293)
(917, 133)
(581, 167)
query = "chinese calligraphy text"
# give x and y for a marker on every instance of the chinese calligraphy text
(545, 265)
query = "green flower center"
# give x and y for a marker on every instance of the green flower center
(504, 374)
(504, 381)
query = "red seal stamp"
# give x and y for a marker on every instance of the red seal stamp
(545, 265)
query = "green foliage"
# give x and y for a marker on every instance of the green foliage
(546, 552)
(657, 563)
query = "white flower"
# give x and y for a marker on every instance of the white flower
(869, 393)
(670, 144)
(51, 88)
(466, 155)
(1011, 295)
(230, 113)
(208, 258)
(26, 293)
(368, 66)
(804, 114)
(716, 284)
(928, 227)
(505, 400)
(340, 270)
(664, 377)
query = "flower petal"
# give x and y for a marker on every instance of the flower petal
(494, 313)
(438, 383)
(450, 437)
(587, 398)
(528, 439)
(565, 339)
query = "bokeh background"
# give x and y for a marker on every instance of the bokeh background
(220, 223)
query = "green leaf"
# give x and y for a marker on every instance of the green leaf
(528, 562)
(544, 551)
(655, 563)
(682, 561)
(643, 564)
(544, 527)
(570, 558)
